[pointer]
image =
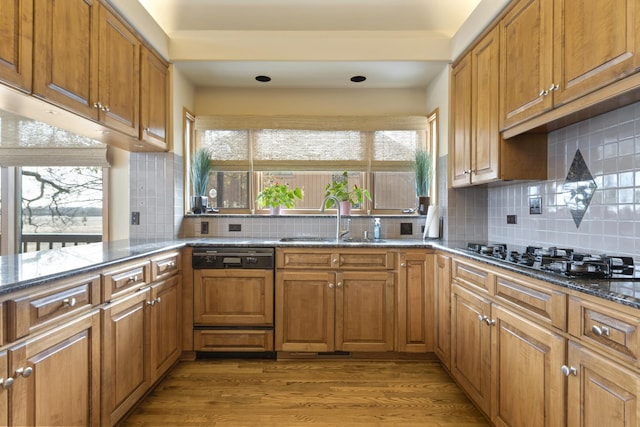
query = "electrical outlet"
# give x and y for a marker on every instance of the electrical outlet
(512, 219)
(204, 227)
(235, 227)
(406, 228)
(135, 218)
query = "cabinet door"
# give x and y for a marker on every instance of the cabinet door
(154, 107)
(125, 368)
(485, 138)
(233, 297)
(415, 303)
(305, 311)
(528, 386)
(6, 382)
(461, 123)
(65, 70)
(600, 392)
(471, 345)
(16, 44)
(442, 306)
(57, 376)
(166, 321)
(365, 310)
(118, 93)
(595, 43)
(526, 48)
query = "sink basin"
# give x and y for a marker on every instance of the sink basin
(362, 240)
(306, 239)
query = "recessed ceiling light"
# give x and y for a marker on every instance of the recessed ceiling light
(263, 79)
(358, 79)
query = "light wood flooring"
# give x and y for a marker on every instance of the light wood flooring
(306, 393)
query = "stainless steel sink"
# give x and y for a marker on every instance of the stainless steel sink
(362, 240)
(306, 239)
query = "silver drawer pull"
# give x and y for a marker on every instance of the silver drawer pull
(24, 372)
(69, 302)
(133, 278)
(601, 330)
(566, 371)
(6, 383)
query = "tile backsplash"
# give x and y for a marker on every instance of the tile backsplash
(610, 145)
(155, 190)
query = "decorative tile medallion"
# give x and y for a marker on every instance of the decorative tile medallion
(578, 188)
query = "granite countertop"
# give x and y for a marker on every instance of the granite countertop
(22, 271)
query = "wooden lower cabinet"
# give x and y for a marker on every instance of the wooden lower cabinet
(166, 327)
(126, 373)
(415, 330)
(600, 392)
(527, 381)
(325, 311)
(57, 376)
(471, 345)
(442, 309)
(6, 382)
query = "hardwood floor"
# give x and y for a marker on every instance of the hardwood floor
(306, 393)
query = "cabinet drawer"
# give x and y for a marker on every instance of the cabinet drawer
(165, 265)
(472, 275)
(47, 307)
(366, 260)
(304, 259)
(357, 259)
(234, 340)
(547, 305)
(607, 329)
(123, 278)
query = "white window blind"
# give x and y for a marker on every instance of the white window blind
(311, 143)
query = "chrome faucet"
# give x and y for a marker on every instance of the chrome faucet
(339, 232)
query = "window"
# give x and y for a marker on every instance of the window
(306, 152)
(54, 184)
(60, 206)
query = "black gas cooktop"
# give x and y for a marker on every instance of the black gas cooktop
(562, 261)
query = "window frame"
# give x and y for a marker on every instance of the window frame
(428, 141)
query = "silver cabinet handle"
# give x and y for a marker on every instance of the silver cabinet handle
(151, 302)
(335, 261)
(105, 108)
(339, 285)
(569, 370)
(69, 302)
(172, 264)
(158, 300)
(133, 279)
(553, 87)
(6, 383)
(24, 372)
(490, 322)
(97, 105)
(543, 92)
(403, 265)
(601, 330)
(330, 285)
(146, 130)
(482, 318)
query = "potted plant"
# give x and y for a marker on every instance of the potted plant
(200, 168)
(347, 196)
(423, 171)
(278, 195)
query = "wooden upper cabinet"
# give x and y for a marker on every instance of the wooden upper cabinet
(485, 130)
(65, 65)
(461, 123)
(154, 89)
(595, 43)
(526, 35)
(118, 91)
(16, 44)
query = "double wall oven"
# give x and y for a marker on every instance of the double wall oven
(233, 291)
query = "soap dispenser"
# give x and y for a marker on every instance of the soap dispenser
(376, 228)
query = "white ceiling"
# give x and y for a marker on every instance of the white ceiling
(310, 43)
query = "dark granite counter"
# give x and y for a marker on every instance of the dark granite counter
(31, 269)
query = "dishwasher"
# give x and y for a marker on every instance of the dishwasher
(233, 293)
